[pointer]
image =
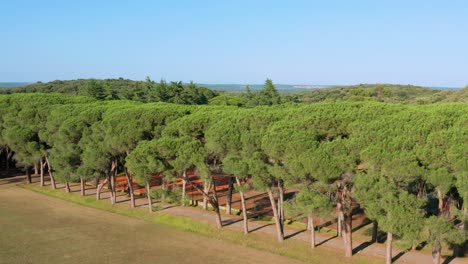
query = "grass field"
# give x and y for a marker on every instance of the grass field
(41, 229)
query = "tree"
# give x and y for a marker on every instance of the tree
(194, 127)
(268, 95)
(96, 89)
(397, 211)
(310, 203)
(440, 230)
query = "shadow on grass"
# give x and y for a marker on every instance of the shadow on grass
(325, 241)
(11, 180)
(356, 228)
(362, 246)
(258, 228)
(399, 255)
(294, 234)
(231, 221)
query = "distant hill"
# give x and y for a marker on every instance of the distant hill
(114, 89)
(141, 91)
(12, 84)
(391, 93)
(282, 88)
(75, 87)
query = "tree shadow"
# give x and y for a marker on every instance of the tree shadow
(448, 259)
(4, 181)
(260, 227)
(167, 206)
(294, 234)
(228, 222)
(325, 241)
(329, 222)
(362, 246)
(399, 255)
(123, 201)
(365, 223)
(91, 193)
(142, 205)
(421, 246)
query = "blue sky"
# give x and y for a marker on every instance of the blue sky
(291, 42)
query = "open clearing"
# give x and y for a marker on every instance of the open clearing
(40, 229)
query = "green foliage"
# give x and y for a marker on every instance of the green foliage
(224, 100)
(439, 229)
(95, 89)
(309, 202)
(267, 96)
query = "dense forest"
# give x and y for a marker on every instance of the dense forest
(178, 92)
(404, 164)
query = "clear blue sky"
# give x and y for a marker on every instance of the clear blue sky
(291, 42)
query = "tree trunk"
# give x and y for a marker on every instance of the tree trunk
(375, 230)
(184, 186)
(99, 188)
(82, 186)
(206, 189)
(440, 205)
(244, 209)
(388, 257)
(130, 188)
(213, 201)
(28, 174)
(229, 197)
(36, 169)
(310, 220)
(49, 169)
(279, 227)
(339, 225)
(349, 236)
(280, 203)
(111, 185)
(339, 222)
(215, 204)
(163, 196)
(463, 247)
(67, 187)
(436, 248)
(150, 204)
(42, 172)
(8, 156)
(114, 189)
(465, 214)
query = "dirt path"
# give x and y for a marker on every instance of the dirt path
(232, 222)
(39, 229)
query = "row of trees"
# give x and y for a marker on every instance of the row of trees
(405, 165)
